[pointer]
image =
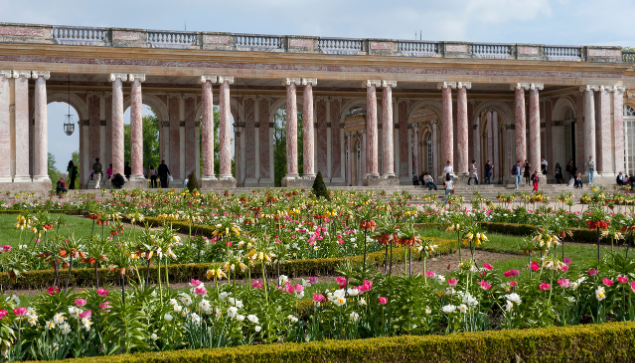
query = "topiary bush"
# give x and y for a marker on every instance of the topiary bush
(319, 188)
(192, 183)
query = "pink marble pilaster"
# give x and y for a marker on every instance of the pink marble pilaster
(349, 160)
(136, 127)
(402, 112)
(495, 154)
(250, 137)
(447, 132)
(117, 124)
(490, 136)
(534, 128)
(207, 128)
(477, 146)
(292, 128)
(322, 131)
(415, 143)
(520, 126)
(589, 124)
(224, 129)
(336, 142)
(387, 129)
(41, 132)
(462, 128)
(307, 129)
(372, 155)
(191, 125)
(5, 127)
(618, 128)
(604, 162)
(174, 138)
(435, 150)
(22, 126)
(265, 138)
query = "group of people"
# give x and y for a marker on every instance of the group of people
(427, 180)
(625, 179)
(162, 174)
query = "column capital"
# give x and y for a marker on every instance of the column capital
(25, 74)
(6, 73)
(616, 89)
(223, 79)
(335, 98)
(434, 122)
(288, 81)
(589, 88)
(523, 86)
(107, 94)
(263, 97)
(122, 76)
(371, 82)
(347, 133)
(391, 84)
(311, 81)
(189, 95)
(203, 79)
(467, 85)
(416, 126)
(44, 74)
(442, 85)
(536, 86)
(175, 95)
(94, 93)
(134, 76)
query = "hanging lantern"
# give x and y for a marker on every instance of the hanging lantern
(69, 126)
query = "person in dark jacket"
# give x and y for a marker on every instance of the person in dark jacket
(127, 170)
(118, 181)
(72, 174)
(163, 174)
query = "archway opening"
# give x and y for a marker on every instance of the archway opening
(62, 148)
(424, 149)
(280, 145)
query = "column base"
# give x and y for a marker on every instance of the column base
(41, 178)
(377, 180)
(22, 179)
(135, 182)
(6, 185)
(296, 181)
(221, 182)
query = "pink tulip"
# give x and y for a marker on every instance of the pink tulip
(318, 298)
(622, 279)
(383, 300)
(257, 285)
(488, 267)
(485, 285)
(511, 273)
(566, 260)
(3, 313)
(513, 283)
(564, 283)
(195, 283)
(85, 314)
(368, 284)
(105, 305)
(52, 290)
(7, 248)
(102, 292)
(19, 312)
(200, 291)
(633, 286)
(80, 302)
(298, 288)
(313, 281)
(341, 281)
(544, 286)
(430, 274)
(607, 282)
(453, 282)
(564, 268)
(592, 272)
(535, 266)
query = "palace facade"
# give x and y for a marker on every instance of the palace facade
(374, 111)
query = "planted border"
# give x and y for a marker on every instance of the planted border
(609, 342)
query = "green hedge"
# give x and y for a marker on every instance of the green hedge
(70, 212)
(610, 342)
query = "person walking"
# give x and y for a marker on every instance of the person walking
(473, 173)
(535, 178)
(72, 174)
(153, 177)
(489, 168)
(527, 173)
(97, 172)
(558, 172)
(163, 174)
(516, 173)
(590, 165)
(449, 186)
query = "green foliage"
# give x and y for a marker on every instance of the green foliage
(319, 188)
(192, 183)
(54, 174)
(280, 144)
(150, 142)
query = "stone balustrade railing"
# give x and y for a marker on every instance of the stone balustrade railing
(141, 38)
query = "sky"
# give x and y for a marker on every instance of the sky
(555, 22)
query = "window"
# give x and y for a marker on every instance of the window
(629, 133)
(429, 152)
(629, 111)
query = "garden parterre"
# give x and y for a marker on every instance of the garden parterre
(259, 232)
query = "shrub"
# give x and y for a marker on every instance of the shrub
(192, 183)
(319, 188)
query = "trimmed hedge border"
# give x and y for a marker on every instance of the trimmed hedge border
(70, 212)
(609, 342)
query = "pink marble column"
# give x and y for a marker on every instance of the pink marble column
(41, 133)
(477, 146)
(308, 137)
(208, 127)
(604, 163)
(447, 129)
(136, 127)
(462, 127)
(224, 129)
(372, 153)
(495, 160)
(117, 124)
(618, 127)
(520, 127)
(490, 136)
(5, 127)
(349, 161)
(387, 128)
(415, 142)
(22, 126)
(534, 127)
(292, 127)
(589, 124)
(435, 150)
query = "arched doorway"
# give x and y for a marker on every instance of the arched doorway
(426, 146)
(62, 148)
(629, 132)
(489, 144)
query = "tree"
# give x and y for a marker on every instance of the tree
(280, 144)
(54, 174)
(150, 141)
(75, 158)
(319, 188)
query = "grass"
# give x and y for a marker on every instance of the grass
(80, 226)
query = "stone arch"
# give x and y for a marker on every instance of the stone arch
(500, 107)
(152, 101)
(435, 106)
(77, 103)
(282, 102)
(236, 109)
(560, 109)
(359, 102)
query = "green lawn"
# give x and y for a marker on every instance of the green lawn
(78, 225)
